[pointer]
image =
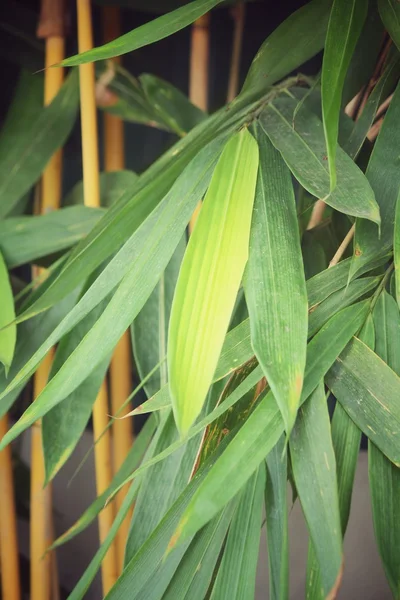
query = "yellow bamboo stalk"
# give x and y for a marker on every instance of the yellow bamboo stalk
(91, 192)
(120, 368)
(198, 77)
(9, 558)
(43, 567)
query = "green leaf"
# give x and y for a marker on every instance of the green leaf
(345, 25)
(275, 286)
(384, 476)
(33, 146)
(113, 184)
(314, 468)
(294, 42)
(133, 457)
(26, 239)
(146, 34)
(396, 249)
(8, 336)
(148, 252)
(264, 427)
(64, 424)
(369, 390)
(390, 15)
(384, 177)
(303, 148)
(276, 510)
(363, 124)
(210, 277)
(150, 328)
(236, 577)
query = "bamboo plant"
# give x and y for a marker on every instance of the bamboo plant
(282, 305)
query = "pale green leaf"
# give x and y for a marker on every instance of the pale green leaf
(275, 285)
(345, 25)
(302, 145)
(210, 277)
(8, 336)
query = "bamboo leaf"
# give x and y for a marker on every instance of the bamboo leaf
(390, 15)
(384, 177)
(33, 146)
(264, 426)
(26, 239)
(155, 240)
(210, 277)
(345, 24)
(314, 468)
(276, 509)
(8, 336)
(236, 576)
(302, 145)
(294, 42)
(150, 328)
(384, 476)
(113, 184)
(146, 34)
(275, 286)
(369, 390)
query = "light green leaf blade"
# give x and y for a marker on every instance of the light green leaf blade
(146, 34)
(294, 42)
(369, 390)
(27, 239)
(384, 176)
(8, 336)
(210, 277)
(148, 252)
(303, 148)
(113, 184)
(345, 24)
(384, 476)
(236, 577)
(314, 468)
(32, 148)
(275, 285)
(390, 15)
(149, 330)
(264, 427)
(276, 510)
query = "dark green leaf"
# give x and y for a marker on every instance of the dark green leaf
(113, 184)
(390, 15)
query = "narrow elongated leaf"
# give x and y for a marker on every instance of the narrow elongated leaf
(146, 34)
(154, 241)
(275, 285)
(384, 177)
(346, 438)
(369, 390)
(390, 15)
(32, 148)
(384, 476)
(26, 239)
(294, 42)
(276, 510)
(345, 24)
(113, 184)
(264, 426)
(302, 144)
(150, 328)
(236, 576)
(314, 468)
(210, 277)
(8, 336)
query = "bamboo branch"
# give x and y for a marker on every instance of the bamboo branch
(43, 566)
(343, 247)
(120, 368)
(91, 193)
(198, 77)
(9, 557)
(238, 12)
(316, 214)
